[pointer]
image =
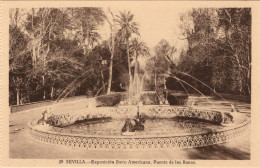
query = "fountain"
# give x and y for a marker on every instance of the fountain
(120, 128)
(139, 127)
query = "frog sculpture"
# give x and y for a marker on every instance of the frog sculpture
(45, 116)
(132, 125)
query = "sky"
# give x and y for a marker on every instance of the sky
(155, 24)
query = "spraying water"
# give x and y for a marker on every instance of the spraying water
(201, 83)
(192, 87)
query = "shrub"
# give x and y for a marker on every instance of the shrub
(108, 100)
(177, 99)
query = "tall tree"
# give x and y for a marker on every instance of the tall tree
(85, 22)
(236, 24)
(112, 25)
(128, 27)
(163, 60)
(19, 57)
(44, 26)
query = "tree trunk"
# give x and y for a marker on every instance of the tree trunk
(135, 83)
(38, 51)
(111, 65)
(110, 74)
(17, 96)
(249, 82)
(52, 92)
(112, 51)
(129, 69)
(155, 81)
(34, 54)
(16, 16)
(103, 81)
(33, 42)
(43, 83)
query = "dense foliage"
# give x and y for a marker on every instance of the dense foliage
(54, 52)
(59, 52)
(219, 50)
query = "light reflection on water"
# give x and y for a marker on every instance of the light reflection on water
(157, 126)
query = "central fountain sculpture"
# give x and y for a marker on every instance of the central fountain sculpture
(136, 124)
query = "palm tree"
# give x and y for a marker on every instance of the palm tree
(127, 28)
(138, 48)
(85, 22)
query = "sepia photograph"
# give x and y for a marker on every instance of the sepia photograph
(129, 85)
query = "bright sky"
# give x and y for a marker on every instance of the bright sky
(154, 24)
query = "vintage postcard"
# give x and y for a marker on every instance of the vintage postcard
(130, 84)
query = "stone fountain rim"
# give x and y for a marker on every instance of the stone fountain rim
(228, 127)
(129, 143)
(30, 126)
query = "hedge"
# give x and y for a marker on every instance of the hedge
(109, 100)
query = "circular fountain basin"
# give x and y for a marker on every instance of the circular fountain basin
(166, 127)
(153, 127)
